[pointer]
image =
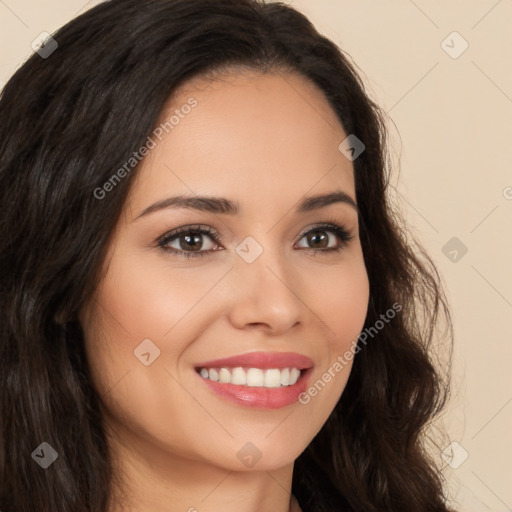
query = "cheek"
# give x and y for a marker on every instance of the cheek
(346, 306)
(340, 298)
(150, 298)
(136, 302)
(143, 399)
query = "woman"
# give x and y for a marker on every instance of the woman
(207, 302)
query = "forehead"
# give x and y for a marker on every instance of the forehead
(249, 135)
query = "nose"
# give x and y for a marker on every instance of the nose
(265, 295)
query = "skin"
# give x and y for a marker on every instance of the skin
(265, 141)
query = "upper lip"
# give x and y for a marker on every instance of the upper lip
(263, 360)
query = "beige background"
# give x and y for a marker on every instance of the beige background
(453, 127)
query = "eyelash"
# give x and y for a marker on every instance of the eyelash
(340, 231)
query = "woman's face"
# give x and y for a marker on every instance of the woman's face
(266, 144)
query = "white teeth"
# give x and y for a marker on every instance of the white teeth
(238, 377)
(224, 376)
(294, 375)
(272, 379)
(253, 377)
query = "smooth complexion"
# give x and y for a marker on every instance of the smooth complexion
(265, 142)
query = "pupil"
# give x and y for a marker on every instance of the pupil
(318, 234)
(196, 240)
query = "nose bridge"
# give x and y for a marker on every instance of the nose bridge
(261, 257)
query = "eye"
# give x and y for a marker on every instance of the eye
(321, 238)
(188, 241)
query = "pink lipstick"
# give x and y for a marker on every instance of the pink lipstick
(267, 380)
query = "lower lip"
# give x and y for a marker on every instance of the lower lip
(260, 397)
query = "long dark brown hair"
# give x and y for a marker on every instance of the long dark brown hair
(67, 122)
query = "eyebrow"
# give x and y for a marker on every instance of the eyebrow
(221, 205)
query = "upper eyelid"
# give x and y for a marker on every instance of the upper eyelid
(203, 230)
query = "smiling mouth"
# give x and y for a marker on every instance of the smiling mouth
(252, 377)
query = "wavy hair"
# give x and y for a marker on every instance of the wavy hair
(66, 124)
